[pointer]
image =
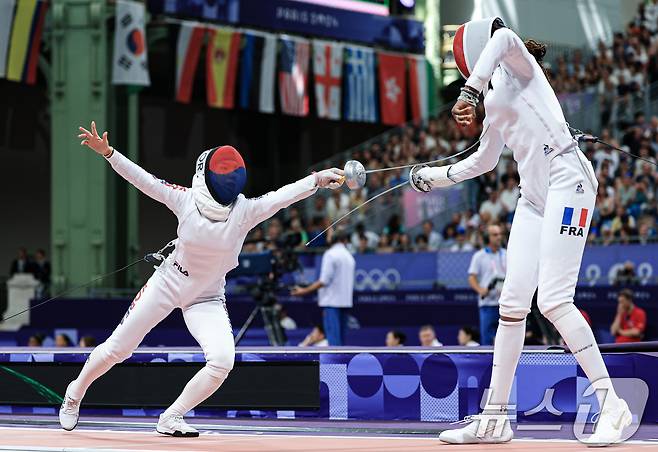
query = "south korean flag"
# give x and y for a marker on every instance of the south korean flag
(130, 56)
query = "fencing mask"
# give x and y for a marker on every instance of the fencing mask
(469, 42)
(219, 178)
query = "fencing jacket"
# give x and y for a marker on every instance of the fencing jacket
(522, 113)
(207, 250)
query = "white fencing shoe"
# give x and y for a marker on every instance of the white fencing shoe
(69, 413)
(175, 425)
(614, 418)
(482, 429)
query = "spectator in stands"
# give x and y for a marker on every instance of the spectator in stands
(468, 336)
(21, 264)
(433, 237)
(316, 338)
(360, 231)
(626, 275)
(404, 244)
(335, 288)
(384, 246)
(395, 338)
(36, 340)
(493, 206)
(486, 274)
(427, 337)
(630, 321)
(510, 195)
(87, 341)
(287, 322)
(338, 204)
(461, 242)
(42, 272)
(63, 340)
(274, 230)
(420, 244)
(362, 247)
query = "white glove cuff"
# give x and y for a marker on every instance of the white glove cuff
(438, 177)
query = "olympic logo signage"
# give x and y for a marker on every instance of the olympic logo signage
(376, 279)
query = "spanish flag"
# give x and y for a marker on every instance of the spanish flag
(221, 66)
(26, 40)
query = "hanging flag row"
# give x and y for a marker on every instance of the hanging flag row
(356, 83)
(21, 28)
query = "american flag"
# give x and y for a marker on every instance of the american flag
(293, 76)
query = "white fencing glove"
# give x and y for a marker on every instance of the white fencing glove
(330, 178)
(423, 178)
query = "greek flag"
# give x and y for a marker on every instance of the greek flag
(360, 101)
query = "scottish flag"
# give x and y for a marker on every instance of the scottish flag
(360, 98)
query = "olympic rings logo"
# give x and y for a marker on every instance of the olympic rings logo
(376, 279)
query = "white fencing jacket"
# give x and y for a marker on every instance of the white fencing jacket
(207, 250)
(522, 113)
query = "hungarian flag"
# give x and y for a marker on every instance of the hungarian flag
(257, 71)
(25, 41)
(293, 75)
(360, 97)
(327, 68)
(221, 66)
(421, 87)
(130, 56)
(392, 88)
(188, 47)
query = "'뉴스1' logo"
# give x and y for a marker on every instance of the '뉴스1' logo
(567, 219)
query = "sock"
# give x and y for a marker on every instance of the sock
(507, 350)
(199, 388)
(578, 336)
(95, 366)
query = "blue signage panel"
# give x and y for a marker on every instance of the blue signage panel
(303, 18)
(318, 20)
(409, 271)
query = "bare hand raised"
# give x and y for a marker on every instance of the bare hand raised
(100, 145)
(463, 112)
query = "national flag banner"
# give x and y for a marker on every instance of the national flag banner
(222, 56)
(392, 88)
(257, 71)
(421, 87)
(293, 75)
(188, 48)
(25, 42)
(6, 18)
(328, 71)
(130, 61)
(360, 98)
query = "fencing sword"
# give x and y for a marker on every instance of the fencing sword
(151, 258)
(355, 178)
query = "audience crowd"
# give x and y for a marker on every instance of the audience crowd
(618, 75)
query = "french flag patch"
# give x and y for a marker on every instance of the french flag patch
(571, 225)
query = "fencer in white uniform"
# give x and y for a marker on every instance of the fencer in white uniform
(213, 221)
(551, 222)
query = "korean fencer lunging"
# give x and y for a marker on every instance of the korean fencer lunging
(549, 230)
(213, 221)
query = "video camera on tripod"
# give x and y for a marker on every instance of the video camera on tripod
(268, 268)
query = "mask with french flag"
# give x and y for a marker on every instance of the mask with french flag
(469, 42)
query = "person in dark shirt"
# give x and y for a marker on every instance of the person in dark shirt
(41, 270)
(21, 264)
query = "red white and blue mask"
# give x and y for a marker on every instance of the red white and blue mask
(469, 42)
(223, 172)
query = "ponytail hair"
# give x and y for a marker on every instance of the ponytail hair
(537, 50)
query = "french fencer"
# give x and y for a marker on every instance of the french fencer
(214, 218)
(551, 222)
